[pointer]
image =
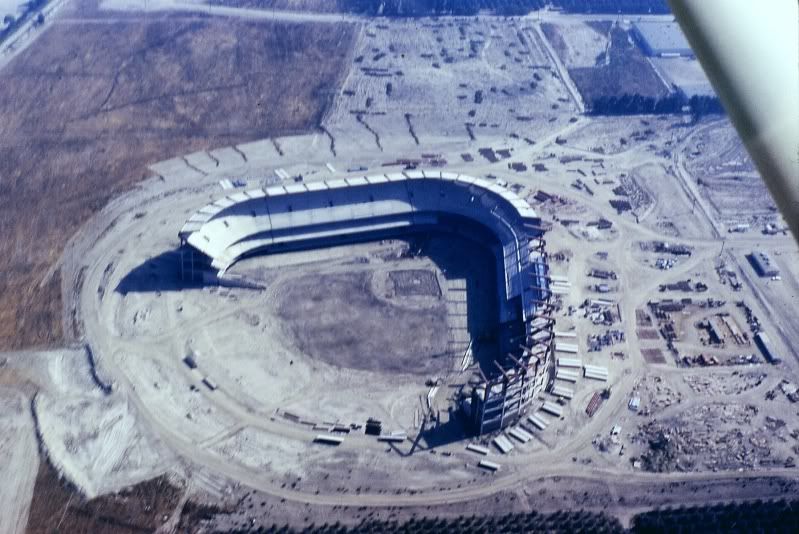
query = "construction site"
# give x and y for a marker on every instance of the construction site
(460, 293)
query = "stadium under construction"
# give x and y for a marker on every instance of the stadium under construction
(365, 208)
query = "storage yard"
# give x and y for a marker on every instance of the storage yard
(271, 351)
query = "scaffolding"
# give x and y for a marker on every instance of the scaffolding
(501, 400)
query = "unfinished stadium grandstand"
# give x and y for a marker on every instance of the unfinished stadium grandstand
(365, 208)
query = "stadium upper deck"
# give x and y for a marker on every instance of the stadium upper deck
(264, 220)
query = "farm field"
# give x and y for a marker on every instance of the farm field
(621, 70)
(90, 104)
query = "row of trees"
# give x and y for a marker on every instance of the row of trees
(420, 8)
(635, 104)
(613, 6)
(558, 522)
(416, 8)
(757, 516)
(11, 23)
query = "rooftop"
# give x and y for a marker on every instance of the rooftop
(662, 36)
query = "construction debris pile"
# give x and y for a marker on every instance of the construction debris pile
(733, 384)
(717, 436)
(601, 311)
(596, 342)
(683, 285)
(657, 395)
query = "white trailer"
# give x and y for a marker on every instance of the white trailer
(567, 374)
(570, 348)
(596, 373)
(327, 439)
(520, 434)
(552, 408)
(210, 384)
(477, 448)
(503, 444)
(486, 464)
(538, 421)
(392, 438)
(563, 391)
(575, 363)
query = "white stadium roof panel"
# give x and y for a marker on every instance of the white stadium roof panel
(256, 193)
(415, 175)
(360, 180)
(316, 186)
(396, 177)
(518, 203)
(508, 195)
(498, 189)
(275, 190)
(200, 217)
(337, 184)
(293, 189)
(377, 179)
(239, 197)
(211, 209)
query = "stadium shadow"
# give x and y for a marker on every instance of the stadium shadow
(468, 257)
(159, 273)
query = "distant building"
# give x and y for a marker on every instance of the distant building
(763, 264)
(662, 39)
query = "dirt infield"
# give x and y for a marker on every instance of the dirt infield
(417, 282)
(90, 104)
(338, 319)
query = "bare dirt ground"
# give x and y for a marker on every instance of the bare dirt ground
(89, 104)
(57, 507)
(20, 459)
(728, 180)
(580, 44)
(338, 318)
(422, 81)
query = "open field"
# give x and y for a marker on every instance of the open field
(726, 176)
(422, 80)
(580, 44)
(57, 507)
(621, 69)
(90, 104)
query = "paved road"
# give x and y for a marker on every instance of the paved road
(154, 6)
